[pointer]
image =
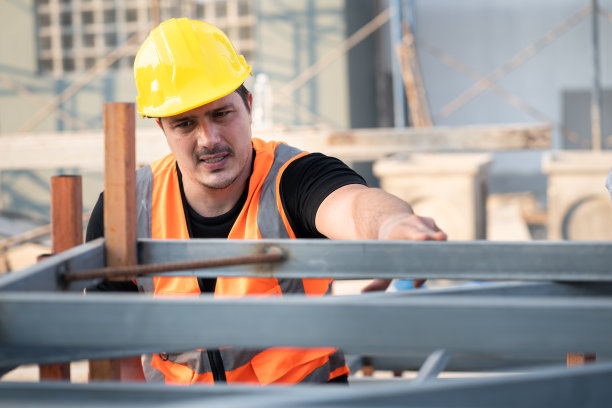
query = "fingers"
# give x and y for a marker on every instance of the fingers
(412, 227)
(417, 283)
(377, 285)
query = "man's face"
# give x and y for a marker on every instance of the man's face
(212, 143)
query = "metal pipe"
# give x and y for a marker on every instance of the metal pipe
(596, 98)
(138, 270)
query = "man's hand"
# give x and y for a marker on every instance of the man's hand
(406, 227)
(359, 212)
(411, 227)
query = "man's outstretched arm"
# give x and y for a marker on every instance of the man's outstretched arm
(359, 212)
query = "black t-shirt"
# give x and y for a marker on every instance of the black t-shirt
(305, 183)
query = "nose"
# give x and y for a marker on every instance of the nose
(208, 134)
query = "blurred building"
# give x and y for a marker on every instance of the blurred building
(61, 59)
(330, 64)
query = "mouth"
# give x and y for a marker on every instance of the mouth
(211, 160)
(214, 162)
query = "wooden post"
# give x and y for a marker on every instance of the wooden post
(119, 215)
(66, 232)
(418, 110)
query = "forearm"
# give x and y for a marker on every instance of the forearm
(374, 210)
(358, 212)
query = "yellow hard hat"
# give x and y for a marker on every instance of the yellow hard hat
(184, 64)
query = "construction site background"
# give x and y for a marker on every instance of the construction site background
(437, 78)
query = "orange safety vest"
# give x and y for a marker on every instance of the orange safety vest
(161, 216)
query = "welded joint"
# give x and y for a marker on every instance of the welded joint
(276, 250)
(267, 269)
(433, 365)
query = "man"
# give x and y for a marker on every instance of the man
(220, 183)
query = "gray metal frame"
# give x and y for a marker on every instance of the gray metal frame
(561, 261)
(493, 326)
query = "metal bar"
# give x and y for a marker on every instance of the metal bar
(474, 260)
(596, 99)
(46, 275)
(464, 363)
(575, 289)
(554, 386)
(395, 34)
(434, 365)
(522, 327)
(138, 270)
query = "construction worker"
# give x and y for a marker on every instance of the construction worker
(219, 182)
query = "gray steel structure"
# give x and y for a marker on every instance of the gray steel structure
(514, 328)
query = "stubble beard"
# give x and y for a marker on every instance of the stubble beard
(222, 183)
(219, 185)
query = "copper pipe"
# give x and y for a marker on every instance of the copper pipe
(138, 270)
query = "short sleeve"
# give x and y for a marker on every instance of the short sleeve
(305, 183)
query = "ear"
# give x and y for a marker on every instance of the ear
(250, 107)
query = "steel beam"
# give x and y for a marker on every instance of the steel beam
(464, 363)
(473, 260)
(38, 324)
(559, 387)
(434, 365)
(46, 275)
(552, 289)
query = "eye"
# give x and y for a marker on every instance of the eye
(184, 124)
(222, 114)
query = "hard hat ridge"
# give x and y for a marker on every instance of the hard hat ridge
(184, 64)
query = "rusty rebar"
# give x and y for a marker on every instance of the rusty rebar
(139, 270)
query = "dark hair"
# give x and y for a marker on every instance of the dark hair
(244, 94)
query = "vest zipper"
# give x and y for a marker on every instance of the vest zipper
(216, 366)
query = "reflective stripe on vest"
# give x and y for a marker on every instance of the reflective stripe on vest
(161, 216)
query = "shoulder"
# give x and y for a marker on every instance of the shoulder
(320, 165)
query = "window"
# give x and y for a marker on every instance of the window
(44, 20)
(87, 17)
(67, 41)
(131, 15)
(110, 39)
(244, 8)
(45, 43)
(245, 33)
(68, 64)
(109, 16)
(66, 18)
(220, 9)
(89, 62)
(89, 40)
